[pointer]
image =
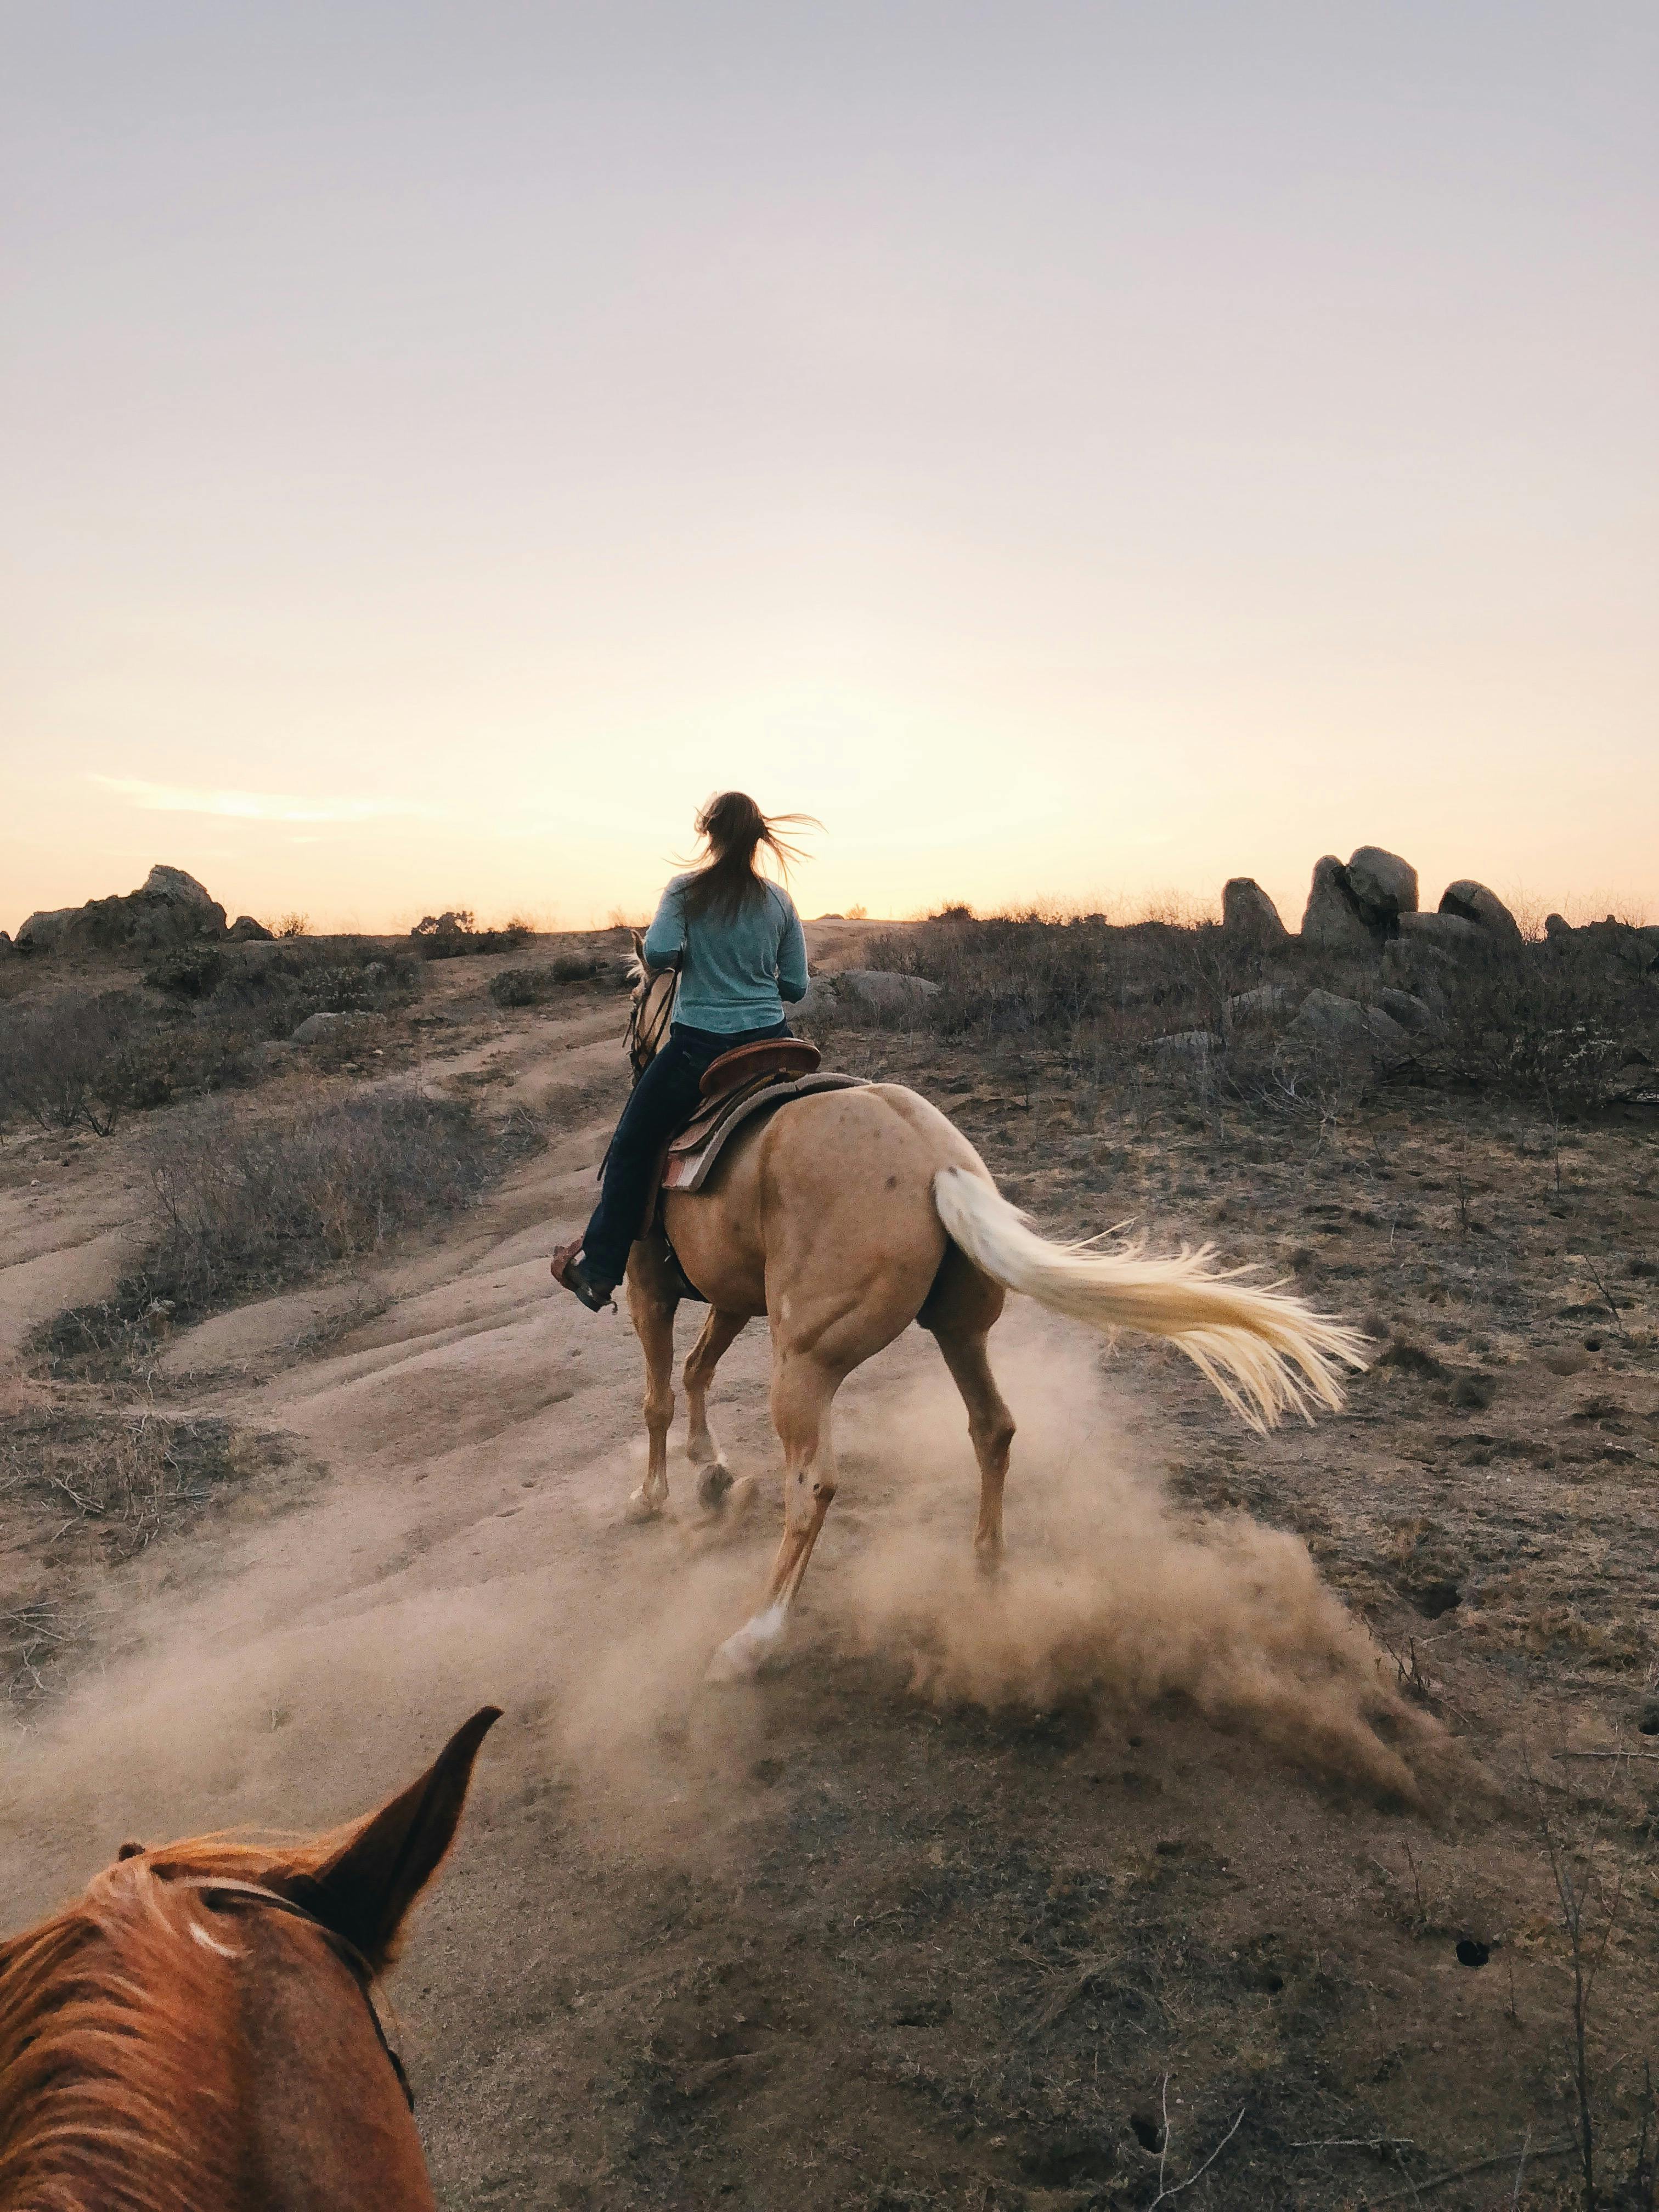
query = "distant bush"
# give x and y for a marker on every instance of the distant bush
(246, 1203)
(272, 996)
(191, 973)
(455, 936)
(530, 987)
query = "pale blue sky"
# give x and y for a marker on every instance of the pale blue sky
(1074, 450)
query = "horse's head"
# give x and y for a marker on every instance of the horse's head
(208, 2005)
(651, 1008)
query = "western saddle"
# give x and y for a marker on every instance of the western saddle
(751, 1080)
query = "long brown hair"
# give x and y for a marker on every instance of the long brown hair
(734, 829)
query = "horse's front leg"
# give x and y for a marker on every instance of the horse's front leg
(718, 1331)
(652, 1304)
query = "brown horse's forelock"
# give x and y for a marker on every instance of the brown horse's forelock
(114, 2088)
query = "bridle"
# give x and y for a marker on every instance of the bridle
(252, 1893)
(648, 1024)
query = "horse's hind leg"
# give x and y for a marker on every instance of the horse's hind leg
(802, 1388)
(651, 1306)
(960, 1310)
(714, 1341)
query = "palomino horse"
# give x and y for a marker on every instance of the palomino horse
(197, 2032)
(845, 1216)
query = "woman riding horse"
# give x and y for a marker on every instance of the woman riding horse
(737, 939)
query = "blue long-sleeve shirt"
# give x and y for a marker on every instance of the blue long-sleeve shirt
(739, 970)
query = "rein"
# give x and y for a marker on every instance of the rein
(351, 1957)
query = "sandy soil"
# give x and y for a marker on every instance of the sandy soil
(982, 1889)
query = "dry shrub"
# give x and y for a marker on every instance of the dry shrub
(248, 1203)
(125, 1476)
(531, 987)
(82, 1061)
(1547, 1026)
(68, 1064)
(1534, 1022)
(1069, 980)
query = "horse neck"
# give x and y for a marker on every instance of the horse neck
(164, 2058)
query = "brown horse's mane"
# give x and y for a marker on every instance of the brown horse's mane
(111, 2094)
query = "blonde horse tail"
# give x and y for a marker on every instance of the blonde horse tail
(1267, 1353)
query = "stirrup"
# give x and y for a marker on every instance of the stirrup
(569, 1273)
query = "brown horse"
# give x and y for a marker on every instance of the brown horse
(197, 2032)
(847, 1215)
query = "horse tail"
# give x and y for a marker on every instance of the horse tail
(1267, 1352)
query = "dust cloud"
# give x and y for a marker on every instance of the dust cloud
(314, 1662)
(1111, 1596)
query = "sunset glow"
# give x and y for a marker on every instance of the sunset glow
(1078, 452)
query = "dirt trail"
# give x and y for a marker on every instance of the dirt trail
(857, 1935)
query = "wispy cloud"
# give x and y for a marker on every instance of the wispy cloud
(258, 805)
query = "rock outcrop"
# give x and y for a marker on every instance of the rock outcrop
(1250, 917)
(169, 909)
(245, 930)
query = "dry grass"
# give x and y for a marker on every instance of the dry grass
(98, 1486)
(77, 1060)
(246, 1203)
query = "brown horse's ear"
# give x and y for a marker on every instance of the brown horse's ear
(364, 1890)
(638, 937)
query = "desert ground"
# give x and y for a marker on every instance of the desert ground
(1238, 1845)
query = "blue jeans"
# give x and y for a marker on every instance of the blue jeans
(664, 1098)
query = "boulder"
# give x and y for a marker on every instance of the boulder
(1332, 920)
(1556, 925)
(1414, 1014)
(318, 1026)
(820, 1004)
(245, 930)
(881, 992)
(1191, 1047)
(1265, 998)
(1473, 902)
(1446, 933)
(1383, 886)
(169, 909)
(1250, 916)
(1343, 1027)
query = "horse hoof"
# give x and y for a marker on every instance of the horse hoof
(713, 1485)
(738, 1658)
(641, 1508)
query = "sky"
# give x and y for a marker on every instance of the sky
(1078, 451)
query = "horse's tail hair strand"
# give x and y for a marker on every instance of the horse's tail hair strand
(1267, 1352)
